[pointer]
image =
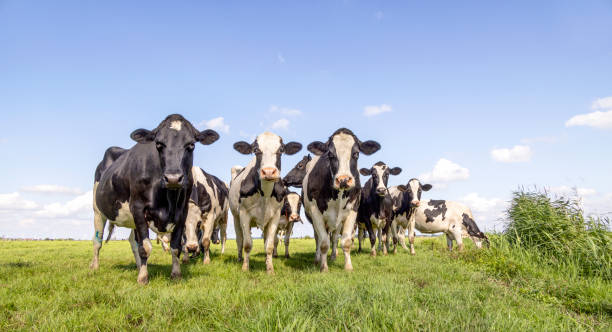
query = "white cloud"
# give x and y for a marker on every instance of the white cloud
(602, 104)
(281, 124)
(601, 118)
(518, 154)
(479, 203)
(280, 58)
(217, 123)
(80, 206)
(597, 119)
(14, 202)
(567, 191)
(376, 110)
(446, 171)
(52, 189)
(488, 212)
(285, 110)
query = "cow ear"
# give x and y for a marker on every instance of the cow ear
(243, 147)
(142, 136)
(365, 171)
(426, 187)
(395, 171)
(402, 188)
(317, 148)
(292, 148)
(207, 137)
(369, 147)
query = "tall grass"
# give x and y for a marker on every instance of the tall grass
(557, 232)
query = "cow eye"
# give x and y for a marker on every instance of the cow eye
(160, 146)
(300, 165)
(356, 155)
(190, 146)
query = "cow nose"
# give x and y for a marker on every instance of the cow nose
(173, 181)
(416, 203)
(192, 247)
(381, 191)
(344, 182)
(270, 173)
(294, 217)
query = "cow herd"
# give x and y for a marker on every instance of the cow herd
(154, 186)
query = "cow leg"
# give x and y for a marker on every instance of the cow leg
(288, 238)
(360, 237)
(270, 244)
(247, 242)
(459, 240)
(449, 242)
(334, 245)
(144, 245)
(208, 227)
(347, 239)
(382, 238)
(401, 235)
(185, 258)
(238, 231)
(223, 235)
(134, 245)
(275, 251)
(99, 223)
(323, 242)
(372, 236)
(175, 245)
(317, 249)
(411, 226)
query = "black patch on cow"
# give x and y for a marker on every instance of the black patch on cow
(110, 155)
(296, 175)
(470, 226)
(439, 208)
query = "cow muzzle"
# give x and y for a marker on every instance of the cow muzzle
(415, 203)
(381, 191)
(192, 246)
(294, 217)
(344, 182)
(270, 174)
(173, 181)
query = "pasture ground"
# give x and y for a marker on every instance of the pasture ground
(47, 285)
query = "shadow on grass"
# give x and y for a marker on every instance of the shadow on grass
(17, 265)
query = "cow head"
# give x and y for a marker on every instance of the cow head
(412, 191)
(380, 176)
(268, 148)
(342, 149)
(192, 224)
(291, 207)
(296, 175)
(175, 139)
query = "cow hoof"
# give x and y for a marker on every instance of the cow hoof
(245, 267)
(270, 272)
(287, 256)
(324, 269)
(413, 253)
(143, 280)
(206, 260)
(373, 254)
(348, 268)
(94, 266)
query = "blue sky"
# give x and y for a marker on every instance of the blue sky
(445, 84)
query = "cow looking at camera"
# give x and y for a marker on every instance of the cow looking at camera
(331, 192)
(256, 193)
(148, 187)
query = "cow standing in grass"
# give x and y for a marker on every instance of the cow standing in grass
(256, 193)
(290, 214)
(147, 187)
(331, 192)
(376, 208)
(207, 212)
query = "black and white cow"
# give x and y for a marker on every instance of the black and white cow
(376, 208)
(256, 193)
(290, 214)
(148, 186)
(453, 219)
(296, 175)
(331, 192)
(405, 199)
(208, 208)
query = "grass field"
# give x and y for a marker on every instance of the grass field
(47, 285)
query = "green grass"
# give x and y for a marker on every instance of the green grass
(47, 285)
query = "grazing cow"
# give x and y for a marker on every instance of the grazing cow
(290, 214)
(331, 192)
(376, 208)
(208, 207)
(256, 193)
(148, 186)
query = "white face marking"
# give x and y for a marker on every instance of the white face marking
(268, 144)
(294, 200)
(176, 125)
(344, 148)
(414, 187)
(380, 171)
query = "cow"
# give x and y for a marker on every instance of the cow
(296, 175)
(147, 187)
(290, 214)
(256, 193)
(331, 192)
(453, 219)
(207, 211)
(376, 207)
(405, 199)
